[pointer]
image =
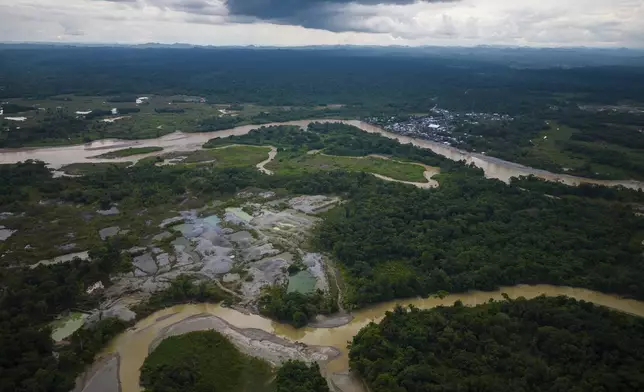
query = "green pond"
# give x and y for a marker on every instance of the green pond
(212, 220)
(240, 214)
(302, 282)
(65, 327)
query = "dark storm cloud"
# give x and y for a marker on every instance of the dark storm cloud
(321, 14)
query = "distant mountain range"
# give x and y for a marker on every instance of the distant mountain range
(517, 57)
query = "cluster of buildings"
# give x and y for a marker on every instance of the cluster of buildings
(438, 126)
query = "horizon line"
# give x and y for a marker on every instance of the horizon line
(189, 45)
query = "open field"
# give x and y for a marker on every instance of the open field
(309, 162)
(597, 158)
(547, 146)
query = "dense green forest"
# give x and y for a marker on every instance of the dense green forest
(301, 84)
(297, 376)
(203, 361)
(404, 82)
(544, 344)
(394, 241)
(208, 361)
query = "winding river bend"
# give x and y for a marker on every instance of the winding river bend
(133, 345)
(56, 157)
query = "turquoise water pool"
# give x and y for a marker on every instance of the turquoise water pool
(302, 282)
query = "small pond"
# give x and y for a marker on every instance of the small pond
(239, 213)
(65, 327)
(302, 282)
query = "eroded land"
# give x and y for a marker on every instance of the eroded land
(297, 226)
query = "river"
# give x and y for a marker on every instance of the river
(56, 157)
(132, 346)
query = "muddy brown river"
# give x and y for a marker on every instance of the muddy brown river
(132, 346)
(56, 157)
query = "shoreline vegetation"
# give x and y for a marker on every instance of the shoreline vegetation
(128, 152)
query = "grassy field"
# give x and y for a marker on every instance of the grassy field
(549, 147)
(395, 170)
(200, 361)
(128, 152)
(234, 156)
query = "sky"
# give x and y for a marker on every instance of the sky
(540, 23)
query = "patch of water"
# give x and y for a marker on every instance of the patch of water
(239, 213)
(66, 327)
(189, 230)
(302, 282)
(212, 220)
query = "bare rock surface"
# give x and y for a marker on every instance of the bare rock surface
(312, 204)
(230, 278)
(111, 212)
(255, 342)
(6, 233)
(162, 236)
(145, 264)
(108, 232)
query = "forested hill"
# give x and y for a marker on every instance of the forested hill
(544, 344)
(406, 81)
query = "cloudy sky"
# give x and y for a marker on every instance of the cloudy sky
(605, 23)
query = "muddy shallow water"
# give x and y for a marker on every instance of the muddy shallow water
(133, 345)
(56, 157)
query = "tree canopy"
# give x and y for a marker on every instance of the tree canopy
(544, 344)
(474, 233)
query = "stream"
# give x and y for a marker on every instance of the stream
(132, 346)
(57, 157)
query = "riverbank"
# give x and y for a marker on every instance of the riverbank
(496, 168)
(134, 345)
